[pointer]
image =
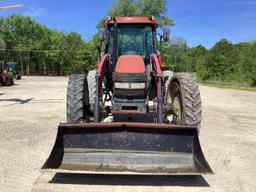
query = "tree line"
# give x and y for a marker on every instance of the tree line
(45, 51)
(41, 50)
(234, 63)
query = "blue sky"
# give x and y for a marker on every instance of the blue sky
(198, 21)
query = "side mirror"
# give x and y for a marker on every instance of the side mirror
(166, 34)
(102, 34)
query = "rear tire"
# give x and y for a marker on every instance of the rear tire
(185, 96)
(77, 99)
(8, 82)
(81, 93)
(12, 81)
(92, 89)
(19, 76)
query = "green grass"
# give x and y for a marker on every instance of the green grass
(228, 85)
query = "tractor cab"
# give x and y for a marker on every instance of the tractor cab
(14, 69)
(130, 43)
(131, 36)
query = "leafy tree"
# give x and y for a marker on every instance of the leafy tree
(2, 43)
(221, 61)
(175, 54)
(197, 55)
(155, 8)
(123, 8)
(42, 50)
(246, 70)
(147, 8)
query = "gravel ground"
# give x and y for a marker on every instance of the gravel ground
(31, 110)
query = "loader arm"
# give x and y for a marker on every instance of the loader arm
(159, 73)
(103, 69)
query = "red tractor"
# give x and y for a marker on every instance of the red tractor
(129, 116)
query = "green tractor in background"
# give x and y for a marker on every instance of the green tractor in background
(14, 69)
(6, 77)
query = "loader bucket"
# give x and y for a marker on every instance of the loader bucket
(127, 148)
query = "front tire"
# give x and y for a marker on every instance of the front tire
(81, 93)
(186, 100)
(92, 89)
(77, 99)
(18, 76)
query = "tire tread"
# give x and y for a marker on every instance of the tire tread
(191, 99)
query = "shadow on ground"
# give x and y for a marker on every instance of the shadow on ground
(17, 100)
(30, 100)
(130, 180)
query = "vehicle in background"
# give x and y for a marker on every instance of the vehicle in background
(15, 69)
(6, 77)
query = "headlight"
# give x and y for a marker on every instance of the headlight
(137, 85)
(119, 85)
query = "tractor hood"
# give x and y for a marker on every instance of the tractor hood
(130, 64)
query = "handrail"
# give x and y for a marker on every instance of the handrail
(102, 64)
(159, 74)
(156, 65)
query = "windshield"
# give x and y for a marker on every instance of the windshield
(12, 66)
(134, 41)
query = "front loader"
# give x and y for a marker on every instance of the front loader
(128, 116)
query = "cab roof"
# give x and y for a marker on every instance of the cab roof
(132, 20)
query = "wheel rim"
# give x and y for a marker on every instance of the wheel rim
(177, 112)
(174, 97)
(168, 118)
